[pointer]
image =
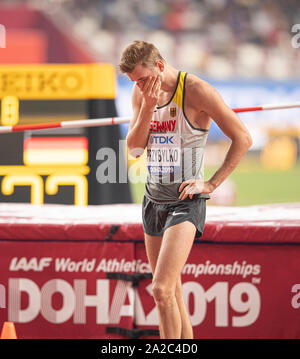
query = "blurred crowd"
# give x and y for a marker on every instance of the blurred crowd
(216, 38)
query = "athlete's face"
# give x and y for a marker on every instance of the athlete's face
(141, 73)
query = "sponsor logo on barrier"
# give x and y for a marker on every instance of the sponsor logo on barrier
(243, 269)
(296, 298)
(161, 139)
(173, 111)
(48, 82)
(31, 264)
(68, 265)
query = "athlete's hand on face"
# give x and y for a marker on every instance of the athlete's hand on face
(194, 186)
(150, 91)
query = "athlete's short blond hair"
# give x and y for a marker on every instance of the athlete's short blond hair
(139, 52)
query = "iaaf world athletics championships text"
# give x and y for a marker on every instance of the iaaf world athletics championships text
(35, 264)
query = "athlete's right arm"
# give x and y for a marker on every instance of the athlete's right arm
(143, 103)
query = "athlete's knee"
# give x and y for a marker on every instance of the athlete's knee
(178, 290)
(163, 294)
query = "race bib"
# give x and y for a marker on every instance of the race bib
(164, 153)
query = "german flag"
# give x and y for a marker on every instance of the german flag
(56, 151)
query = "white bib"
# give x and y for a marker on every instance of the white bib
(164, 153)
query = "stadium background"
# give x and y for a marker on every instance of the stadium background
(243, 48)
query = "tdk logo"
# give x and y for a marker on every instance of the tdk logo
(2, 296)
(162, 139)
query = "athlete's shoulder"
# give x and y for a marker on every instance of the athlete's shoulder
(198, 90)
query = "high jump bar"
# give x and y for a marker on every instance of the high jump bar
(118, 120)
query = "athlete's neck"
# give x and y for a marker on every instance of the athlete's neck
(169, 78)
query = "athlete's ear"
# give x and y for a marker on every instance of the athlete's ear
(160, 65)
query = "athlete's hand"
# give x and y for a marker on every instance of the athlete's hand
(194, 186)
(150, 91)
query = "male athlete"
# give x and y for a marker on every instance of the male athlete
(172, 112)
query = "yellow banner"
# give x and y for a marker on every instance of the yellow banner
(58, 81)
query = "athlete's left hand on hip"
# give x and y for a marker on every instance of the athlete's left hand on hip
(194, 186)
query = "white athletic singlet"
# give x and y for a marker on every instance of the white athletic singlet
(174, 150)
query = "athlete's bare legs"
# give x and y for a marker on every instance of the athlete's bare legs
(167, 256)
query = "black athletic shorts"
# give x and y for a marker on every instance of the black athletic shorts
(158, 217)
